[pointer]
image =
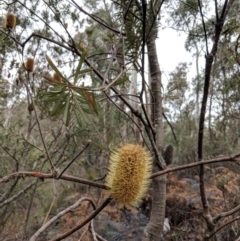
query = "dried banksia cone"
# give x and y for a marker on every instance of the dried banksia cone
(30, 107)
(29, 65)
(168, 154)
(129, 174)
(10, 21)
(57, 77)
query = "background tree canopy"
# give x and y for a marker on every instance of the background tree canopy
(81, 79)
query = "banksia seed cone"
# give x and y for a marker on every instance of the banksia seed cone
(30, 107)
(29, 65)
(10, 21)
(129, 174)
(168, 154)
(57, 77)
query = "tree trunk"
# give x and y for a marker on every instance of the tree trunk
(154, 229)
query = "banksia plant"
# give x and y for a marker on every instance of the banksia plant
(129, 174)
(29, 65)
(10, 21)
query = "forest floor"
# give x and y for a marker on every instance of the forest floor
(183, 210)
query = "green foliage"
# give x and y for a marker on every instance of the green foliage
(64, 98)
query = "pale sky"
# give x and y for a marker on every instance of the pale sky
(171, 52)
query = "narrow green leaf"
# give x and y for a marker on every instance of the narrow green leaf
(66, 116)
(53, 66)
(80, 73)
(84, 53)
(80, 113)
(59, 106)
(77, 117)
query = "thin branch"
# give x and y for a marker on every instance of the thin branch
(41, 134)
(70, 163)
(226, 214)
(173, 132)
(59, 215)
(123, 6)
(216, 10)
(127, 10)
(203, 23)
(29, 211)
(14, 197)
(231, 158)
(97, 19)
(154, 17)
(208, 236)
(47, 39)
(208, 68)
(9, 191)
(32, 12)
(93, 215)
(43, 176)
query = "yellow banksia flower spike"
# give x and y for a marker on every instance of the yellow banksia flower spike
(29, 65)
(129, 174)
(10, 21)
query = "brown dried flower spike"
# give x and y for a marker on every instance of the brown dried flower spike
(129, 174)
(10, 21)
(57, 77)
(29, 65)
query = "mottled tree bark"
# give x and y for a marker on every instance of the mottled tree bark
(154, 228)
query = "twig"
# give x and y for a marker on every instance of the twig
(43, 176)
(28, 212)
(96, 19)
(70, 163)
(191, 165)
(173, 132)
(59, 215)
(226, 214)
(208, 236)
(204, 27)
(14, 197)
(208, 68)
(93, 215)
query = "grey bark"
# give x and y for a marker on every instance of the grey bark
(154, 229)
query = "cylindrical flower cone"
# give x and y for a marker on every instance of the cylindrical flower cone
(10, 21)
(129, 174)
(29, 65)
(57, 77)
